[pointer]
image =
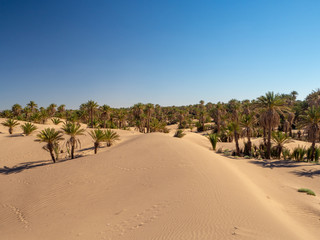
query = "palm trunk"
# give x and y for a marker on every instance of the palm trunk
(96, 145)
(236, 138)
(249, 141)
(264, 136)
(268, 155)
(51, 153)
(72, 151)
(313, 149)
(10, 130)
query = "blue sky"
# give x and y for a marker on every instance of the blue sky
(166, 52)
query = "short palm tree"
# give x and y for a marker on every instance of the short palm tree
(311, 122)
(98, 136)
(280, 139)
(74, 130)
(52, 138)
(56, 121)
(10, 123)
(28, 128)
(111, 137)
(271, 105)
(213, 138)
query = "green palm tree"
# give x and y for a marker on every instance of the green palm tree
(10, 123)
(73, 130)
(311, 122)
(28, 128)
(52, 138)
(271, 105)
(247, 122)
(280, 139)
(16, 109)
(111, 137)
(91, 108)
(98, 136)
(33, 106)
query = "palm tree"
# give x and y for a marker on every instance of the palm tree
(33, 106)
(16, 109)
(28, 128)
(91, 108)
(149, 110)
(271, 105)
(52, 138)
(234, 108)
(10, 123)
(111, 137)
(98, 136)
(105, 114)
(74, 130)
(311, 122)
(52, 109)
(247, 122)
(280, 139)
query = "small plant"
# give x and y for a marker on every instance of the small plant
(213, 138)
(307, 191)
(179, 133)
(110, 137)
(247, 157)
(286, 153)
(56, 121)
(299, 153)
(28, 128)
(10, 123)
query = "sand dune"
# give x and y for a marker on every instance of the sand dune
(153, 186)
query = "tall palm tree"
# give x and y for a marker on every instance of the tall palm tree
(10, 123)
(52, 138)
(280, 139)
(91, 108)
(111, 137)
(149, 109)
(247, 121)
(33, 106)
(16, 109)
(105, 114)
(73, 130)
(234, 108)
(311, 122)
(271, 106)
(98, 136)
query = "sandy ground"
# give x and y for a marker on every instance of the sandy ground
(152, 186)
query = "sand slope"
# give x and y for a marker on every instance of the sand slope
(154, 186)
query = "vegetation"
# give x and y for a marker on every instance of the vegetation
(73, 130)
(179, 133)
(56, 121)
(98, 136)
(51, 137)
(111, 137)
(271, 117)
(307, 191)
(213, 138)
(28, 128)
(10, 123)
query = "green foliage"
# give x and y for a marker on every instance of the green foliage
(286, 153)
(98, 136)
(73, 130)
(213, 138)
(299, 153)
(10, 123)
(56, 121)
(307, 191)
(179, 133)
(110, 137)
(28, 128)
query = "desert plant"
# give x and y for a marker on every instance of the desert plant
(307, 191)
(73, 130)
(213, 138)
(10, 123)
(98, 136)
(299, 153)
(28, 128)
(110, 137)
(179, 133)
(280, 139)
(286, 153)
(51, 137)
(56, 121)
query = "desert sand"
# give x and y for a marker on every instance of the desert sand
(152, 186)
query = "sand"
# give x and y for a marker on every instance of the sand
(152, 186)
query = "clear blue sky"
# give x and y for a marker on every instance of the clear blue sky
(166, 52)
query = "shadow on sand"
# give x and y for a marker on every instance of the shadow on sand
(307, 173)
(27, 165)
(278, 163)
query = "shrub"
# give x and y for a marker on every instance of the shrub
(56, 121)
(307, 191)
(299, 153)
(179, 133)
(286, 153)
(28, 128)
(213, 138)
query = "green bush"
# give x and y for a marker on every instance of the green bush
(307, 191)
(179, 133)
(213, 138)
